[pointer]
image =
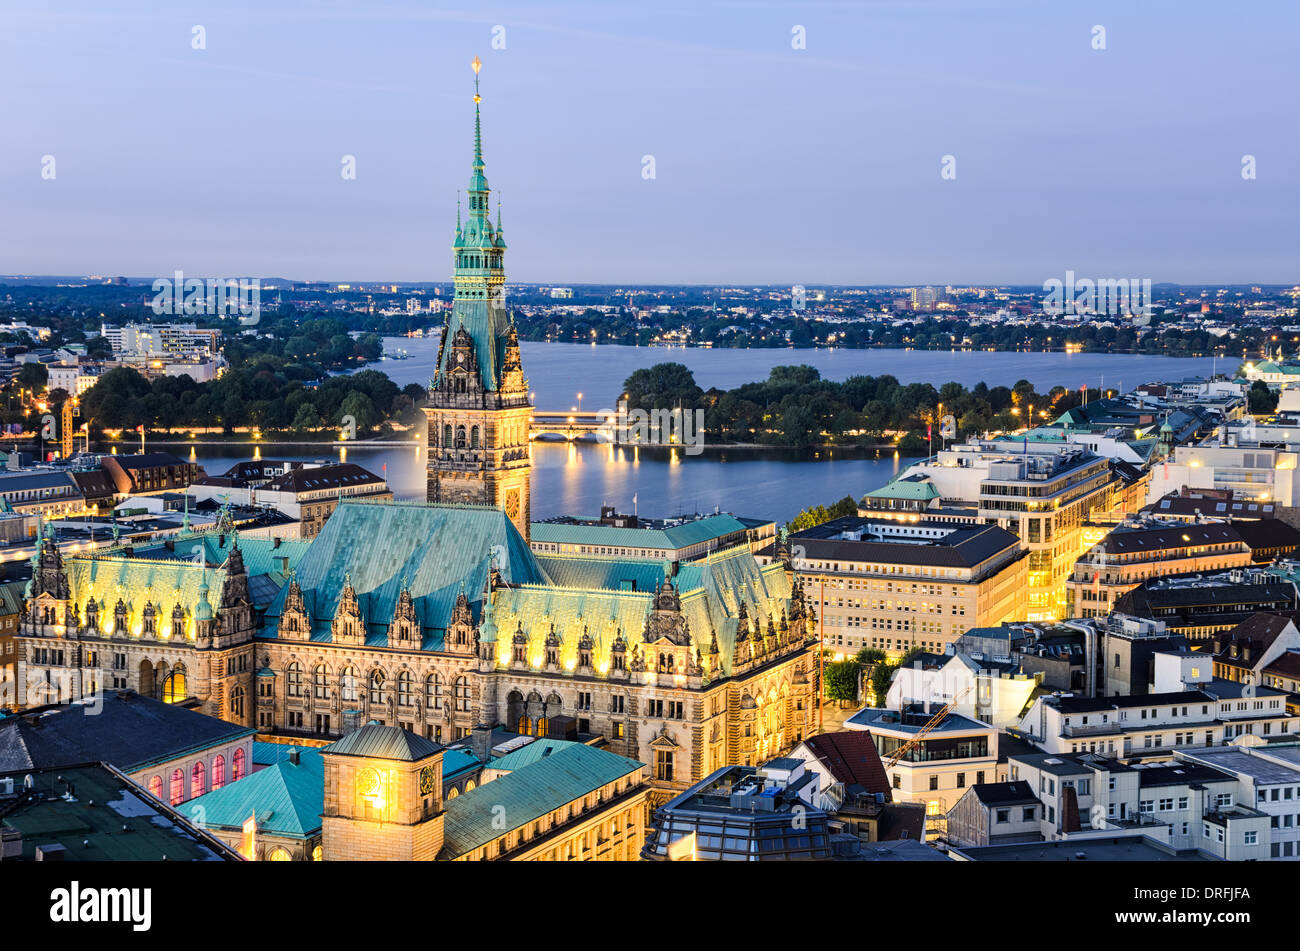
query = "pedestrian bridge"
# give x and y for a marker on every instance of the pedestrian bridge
(600, 426)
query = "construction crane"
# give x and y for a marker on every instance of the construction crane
(930, 724)
(70, 407)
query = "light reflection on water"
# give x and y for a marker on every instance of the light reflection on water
(577, 478)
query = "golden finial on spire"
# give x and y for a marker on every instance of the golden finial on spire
(477, 64)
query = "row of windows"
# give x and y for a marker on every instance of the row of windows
(198, 778)
(434, 686)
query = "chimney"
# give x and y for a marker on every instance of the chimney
(351, 721)
(480, 742)
(294, 756)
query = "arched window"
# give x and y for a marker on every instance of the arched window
(404, 693)
(237, 773)
(433, 692)
(218, 772)
(462, 694)
(460, 437)
(237, 702)
(293, 680)
(525, 726)
(177, 793)
(543, 725)
(446, 436)
(453, 793)
(278, 855)
(469, 786)
(348, 684)
(473, 437)
(317, 855)
(198, 776)
(376, 686)
(155, 787)
(174, 689)
(320, 683)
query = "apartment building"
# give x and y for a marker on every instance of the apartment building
(1182, 804)
(991, 690)
(1144, 548)
(1268, 779)
(895, 585)
(1155, 725)
(957, 753)
(1200, 605)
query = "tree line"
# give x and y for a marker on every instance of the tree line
(795, 407)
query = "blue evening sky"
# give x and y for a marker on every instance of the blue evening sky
(772, 165)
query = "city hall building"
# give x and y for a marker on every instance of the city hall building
(439, 617)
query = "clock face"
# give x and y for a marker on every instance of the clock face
(428, 779)
(460, 358)
(512, 504)
(368, 782)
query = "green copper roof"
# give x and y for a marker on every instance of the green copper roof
(905, 489)
(384, 742)
(622, 574)
(487, 323)
(527, 755)
(689, 533)
(527, 794)
(479, 261)
(435, 548)
(286, 798)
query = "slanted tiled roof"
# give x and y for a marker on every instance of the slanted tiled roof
(577, 571)
(384, 742)
(851, 758)
(317, 478)
(129, 731)
(528, 794)
(1257, 632)
(286, 798)
(435, 548)
(524, 756)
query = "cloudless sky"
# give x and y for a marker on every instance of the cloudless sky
(773, 165)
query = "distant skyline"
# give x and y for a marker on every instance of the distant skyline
(773, 165)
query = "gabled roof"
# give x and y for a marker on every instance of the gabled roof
(851, 758)
(384, 742)
(286, 798)
(527, 794)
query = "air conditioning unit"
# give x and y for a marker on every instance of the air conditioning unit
(7, 786)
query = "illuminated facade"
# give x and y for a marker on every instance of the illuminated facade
(437, 618)
(455, 623)
(164, 621)
(1043, 493)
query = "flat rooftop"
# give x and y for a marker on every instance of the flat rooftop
(1118, 849)
(107, 819)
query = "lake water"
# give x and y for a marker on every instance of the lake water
(558, 372)
(579, 478)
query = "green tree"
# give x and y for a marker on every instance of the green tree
(841, 680)
(1262, 400)
(360, 408)
(306, 418)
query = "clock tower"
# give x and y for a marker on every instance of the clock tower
(383, 796)
(478, 410)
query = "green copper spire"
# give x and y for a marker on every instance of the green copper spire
(479, 275)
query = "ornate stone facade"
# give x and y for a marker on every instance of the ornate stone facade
(478, 411)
